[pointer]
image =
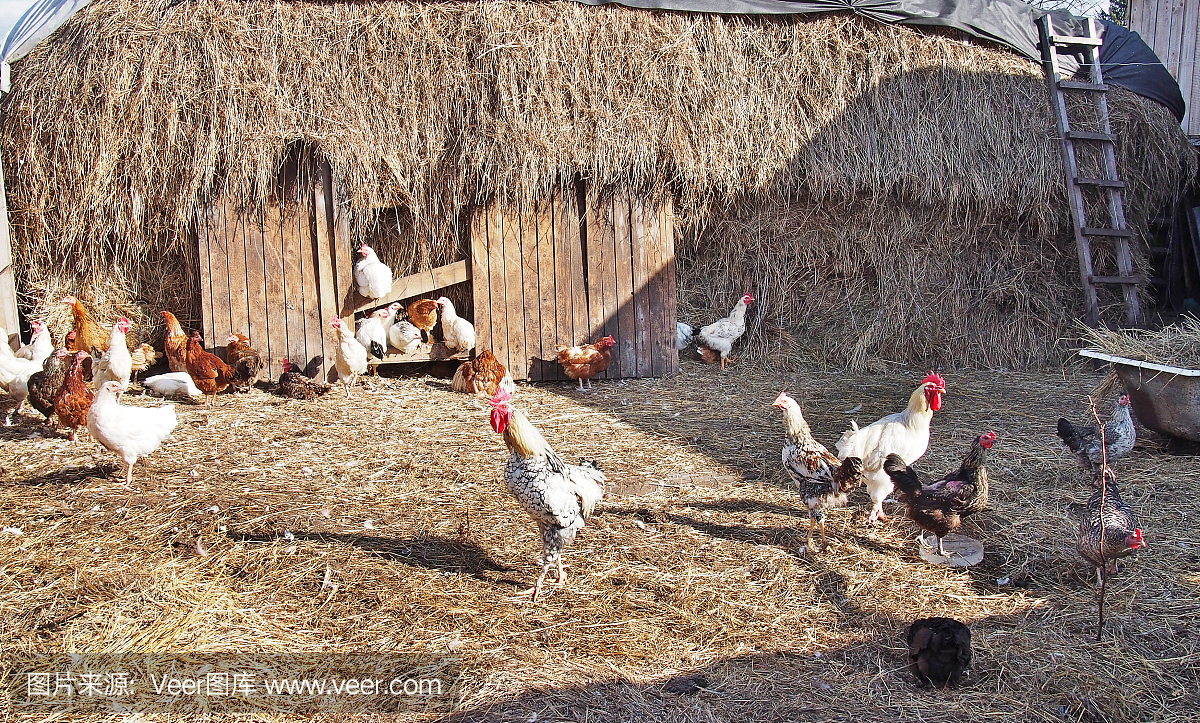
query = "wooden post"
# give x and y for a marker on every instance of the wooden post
(8, 286)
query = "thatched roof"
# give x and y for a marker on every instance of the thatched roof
(136, 110)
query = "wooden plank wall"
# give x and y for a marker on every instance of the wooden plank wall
(276, 273)
(1172, 29)
(544, 278)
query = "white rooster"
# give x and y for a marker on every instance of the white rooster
(905, 434)
(457, 333)
(128, 432)
(373, 277)
(716, 339)
(351, 357)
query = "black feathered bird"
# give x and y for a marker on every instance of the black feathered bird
(939, 650)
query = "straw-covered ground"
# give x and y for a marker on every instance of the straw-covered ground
(381, 525)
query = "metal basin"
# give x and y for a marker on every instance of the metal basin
(1164, 398)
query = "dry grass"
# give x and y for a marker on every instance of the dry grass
(1175, 345)
(692, 566)
(809, 159)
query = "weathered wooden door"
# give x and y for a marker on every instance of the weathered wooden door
(271, 272)
(557, 276)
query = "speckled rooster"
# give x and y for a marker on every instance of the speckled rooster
(558, 496)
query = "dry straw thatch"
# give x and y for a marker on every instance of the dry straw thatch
(886, 194)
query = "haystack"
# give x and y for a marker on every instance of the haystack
(887, 195)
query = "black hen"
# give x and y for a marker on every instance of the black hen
(939, 650)
(44, 385)
(940, 507)
(295, 385)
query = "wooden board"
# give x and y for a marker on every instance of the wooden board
(218, 259)
(645, 354)
(625, 353)
(481, 287)
(322, 197)
(427, 352)
(206, 219)
(277, 338)
(239, 295)
(518, 363)
(547, 368)
(260, 314)
(499, 284)
(530, 300)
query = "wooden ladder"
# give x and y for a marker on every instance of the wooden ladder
(1109, 184)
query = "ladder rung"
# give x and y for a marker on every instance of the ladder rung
(1091, 136)
(1102, 182)
(1067, 40)
(1114, 232)
(1080, 85)
(1113, 280)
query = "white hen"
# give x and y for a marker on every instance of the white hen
(172, 384)
(904, 433)
(457, 332)
(40, 347)
(716, 339)
(117, 363)
(405, 337)
(372, 335)
(351, 357)
(128, 432)
(373, 277)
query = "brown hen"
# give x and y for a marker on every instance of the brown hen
(423, 314)
(210, 374)
(88, 334)
(482, 375)
(175, 344)
(585, 362)
(245, 361)
(73, 401)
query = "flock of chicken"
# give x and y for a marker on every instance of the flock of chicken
(560, 496)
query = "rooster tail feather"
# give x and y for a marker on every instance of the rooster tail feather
(902, 475)
(589, 486)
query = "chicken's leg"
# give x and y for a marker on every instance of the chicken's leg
(941, 550)
(812, 524)
(129, 473)
(580, 380)
(824, 542)
(562, 576)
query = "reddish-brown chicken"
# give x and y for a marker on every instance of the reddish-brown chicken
(585, 362)
(175, 344)
(423, 314)
(210, 374)
(73, 401)
(245, 361)
(88, 334)
(482, 375)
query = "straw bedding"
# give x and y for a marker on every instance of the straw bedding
(380, 525)
(842, 170)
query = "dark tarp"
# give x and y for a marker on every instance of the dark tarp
(1125, 58)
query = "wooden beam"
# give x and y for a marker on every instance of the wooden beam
(436, 351)
(8, 282)
(417, 284)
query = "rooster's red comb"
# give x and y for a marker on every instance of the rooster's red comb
(935, 378)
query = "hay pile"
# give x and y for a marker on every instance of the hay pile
(1175, 345)
(262, 528)
(813, 160)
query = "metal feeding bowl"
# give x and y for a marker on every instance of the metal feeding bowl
(1164, 398)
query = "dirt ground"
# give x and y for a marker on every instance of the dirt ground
(380, 526)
